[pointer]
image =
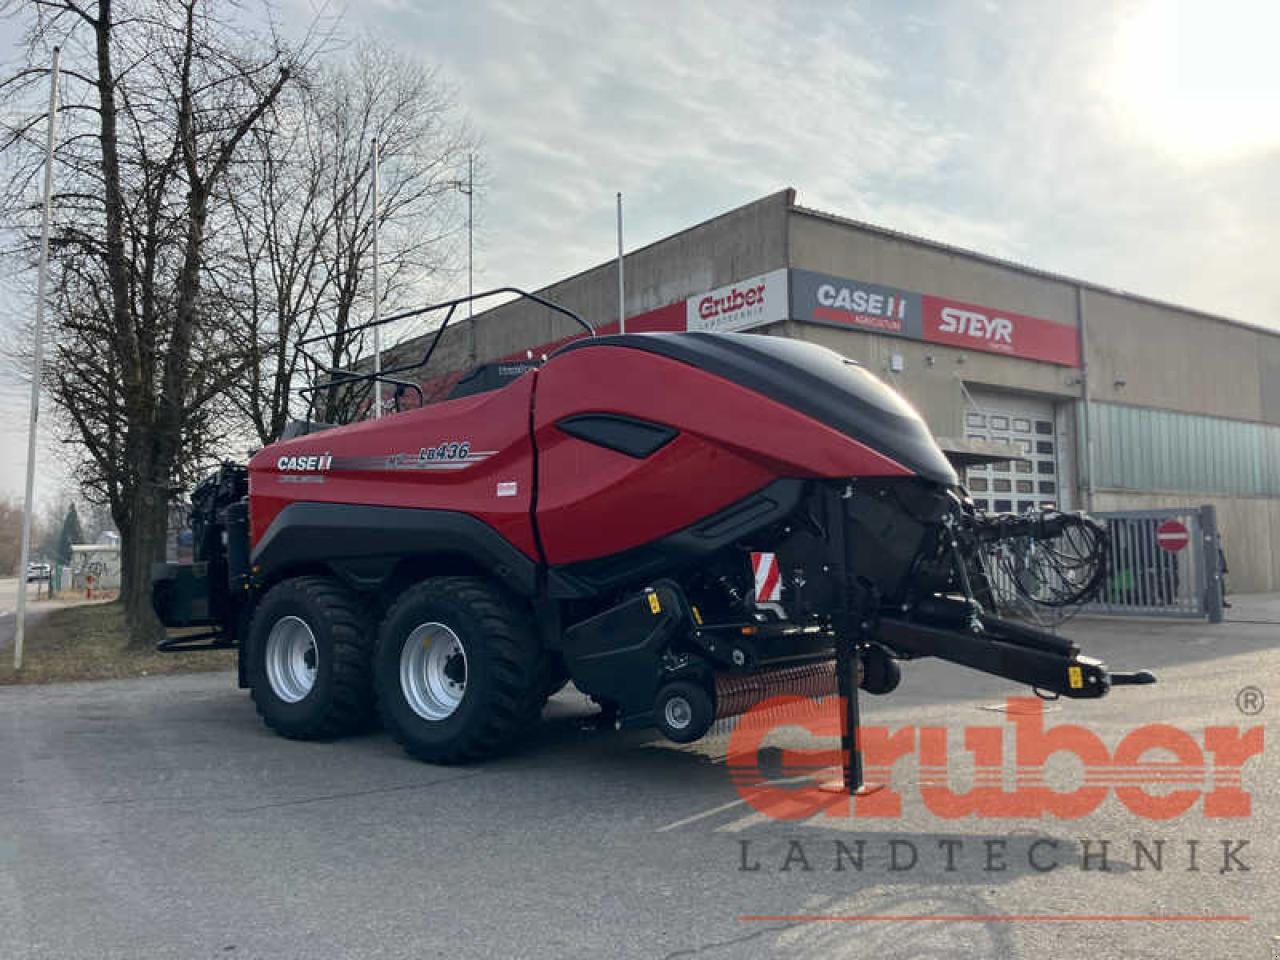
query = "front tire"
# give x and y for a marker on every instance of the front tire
(457, 671)
(310, 660)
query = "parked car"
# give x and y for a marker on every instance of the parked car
(38, 571)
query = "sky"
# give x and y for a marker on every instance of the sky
(1135, 145)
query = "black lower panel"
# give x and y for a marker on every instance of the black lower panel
(354, 534)
(680, 550)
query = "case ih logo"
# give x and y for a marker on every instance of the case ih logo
(1157, 771)
(873, 308)
(308, 463)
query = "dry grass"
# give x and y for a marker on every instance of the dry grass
(88, 642)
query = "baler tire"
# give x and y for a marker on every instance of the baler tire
(694, 716)
(502, 687)
(340, 700)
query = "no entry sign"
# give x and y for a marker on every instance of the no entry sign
(1172, 535)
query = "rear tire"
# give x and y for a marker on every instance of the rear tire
(457, 671)
(310, 660)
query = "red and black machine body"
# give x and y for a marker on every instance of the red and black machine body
(627, 490)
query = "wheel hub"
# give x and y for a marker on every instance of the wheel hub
(433, 671)
(455, 668)
(291, 659)
(678, 713)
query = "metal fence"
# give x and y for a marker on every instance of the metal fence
(1162, 563)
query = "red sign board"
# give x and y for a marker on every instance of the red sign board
(1173, 535)
(999, 331)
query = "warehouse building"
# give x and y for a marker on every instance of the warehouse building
(1112, 401)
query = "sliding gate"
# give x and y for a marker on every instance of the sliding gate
(1162, 563)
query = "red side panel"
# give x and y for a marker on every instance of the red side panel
(593, 501)
(472, 455)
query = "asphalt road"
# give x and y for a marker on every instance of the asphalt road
(157, 818)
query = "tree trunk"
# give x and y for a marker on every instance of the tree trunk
(144, 546)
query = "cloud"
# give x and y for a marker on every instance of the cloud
(1011, 130)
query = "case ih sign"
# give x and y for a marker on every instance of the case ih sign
(841, 302)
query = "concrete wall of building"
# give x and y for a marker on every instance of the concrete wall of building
(1269, 375)
(1249, 526)
(1153, 355)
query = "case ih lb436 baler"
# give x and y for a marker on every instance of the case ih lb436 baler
(683, 524)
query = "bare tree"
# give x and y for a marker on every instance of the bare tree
(160, 98)
(303, 222)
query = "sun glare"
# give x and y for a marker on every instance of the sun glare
(1200, 79)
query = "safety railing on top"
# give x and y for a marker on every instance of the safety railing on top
(339, 377)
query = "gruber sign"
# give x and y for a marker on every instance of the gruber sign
(739, 306)
(843, 302)
(1173, 535)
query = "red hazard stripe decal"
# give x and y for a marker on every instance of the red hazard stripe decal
(767, 578)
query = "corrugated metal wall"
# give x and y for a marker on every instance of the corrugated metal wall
(1137, 448)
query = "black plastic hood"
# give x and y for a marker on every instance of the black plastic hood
(818, 382)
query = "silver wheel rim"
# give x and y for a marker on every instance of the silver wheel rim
(678, 713)
(292, 656)
(433, 671)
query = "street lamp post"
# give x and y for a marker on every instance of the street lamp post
(28, 504)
